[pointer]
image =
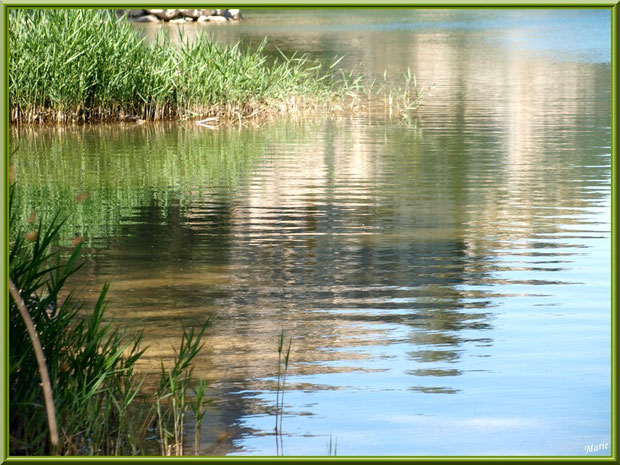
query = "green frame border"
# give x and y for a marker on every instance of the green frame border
(612, 5)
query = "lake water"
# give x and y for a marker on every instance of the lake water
(444, 282)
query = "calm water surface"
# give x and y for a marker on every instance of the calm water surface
(445, 283)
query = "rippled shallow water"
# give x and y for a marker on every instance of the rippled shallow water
(445, 282)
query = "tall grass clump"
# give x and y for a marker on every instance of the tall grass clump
(90, 364)
(98, 404)
(68, 65)
(171, 398)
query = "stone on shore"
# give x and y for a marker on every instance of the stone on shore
(234, 14)
(217, 19)
(152, 15)
(194, 14)
(147, 19)
(165, 15)
(131, 13)
(136, 13)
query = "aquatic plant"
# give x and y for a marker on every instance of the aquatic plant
(77, 65)
(90, 364)
(100, 408)
(396, 100)
(283, 361)
(171, 401)
(197, 407)
(83, 65)
(332, 447)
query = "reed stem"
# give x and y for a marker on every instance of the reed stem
(38, 350)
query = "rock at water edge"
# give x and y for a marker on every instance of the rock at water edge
(195, 14)
(166, 15)
(217, 19)
(147, 19)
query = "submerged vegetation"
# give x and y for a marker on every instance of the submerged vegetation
(85, 65)
(100, 407)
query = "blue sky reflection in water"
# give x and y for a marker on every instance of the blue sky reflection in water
(446, 282)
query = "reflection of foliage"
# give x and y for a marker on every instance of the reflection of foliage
(122, 169)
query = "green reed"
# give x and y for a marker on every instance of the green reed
(83, 64)
(90, 363)
(283, 362)
(332, 447)
(171, 399)
(100, 407)
(198, 408)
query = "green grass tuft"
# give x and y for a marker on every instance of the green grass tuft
(69, 65)
(100, 405)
